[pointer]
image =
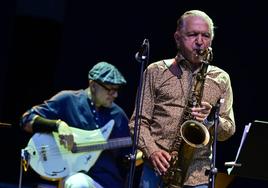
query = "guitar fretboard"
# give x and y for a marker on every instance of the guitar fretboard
(109, 144)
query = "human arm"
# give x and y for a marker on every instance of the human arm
(147, 138)
(218, 95)
(218, 92)
(45, 118)
(226, 126)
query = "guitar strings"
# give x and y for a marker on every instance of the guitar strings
(52, 151)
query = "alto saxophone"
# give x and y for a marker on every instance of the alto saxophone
(193, 134)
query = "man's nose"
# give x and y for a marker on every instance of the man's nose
(199, 40)
(115, 94)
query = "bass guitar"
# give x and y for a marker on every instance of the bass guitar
(53, 161)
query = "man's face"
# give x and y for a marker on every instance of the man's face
(193, 36)
(105, 94)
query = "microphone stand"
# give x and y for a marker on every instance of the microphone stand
(213, 170)
(142, 57)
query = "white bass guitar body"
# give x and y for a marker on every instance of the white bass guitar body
(53, 161)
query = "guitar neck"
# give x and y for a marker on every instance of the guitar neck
(109, 144)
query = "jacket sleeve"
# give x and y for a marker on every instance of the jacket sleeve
(146, 142)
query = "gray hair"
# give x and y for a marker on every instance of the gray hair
(180, 21)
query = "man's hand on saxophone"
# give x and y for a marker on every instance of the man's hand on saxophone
(160, 161)
(202, 112)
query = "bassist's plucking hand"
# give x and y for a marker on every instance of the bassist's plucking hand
(65, 135)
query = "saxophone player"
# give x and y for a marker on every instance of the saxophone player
(169, 86)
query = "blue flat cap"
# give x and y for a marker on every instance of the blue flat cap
(106, 73)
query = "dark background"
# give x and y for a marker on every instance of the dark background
(49, 45)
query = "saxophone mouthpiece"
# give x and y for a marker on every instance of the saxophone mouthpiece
(205, 54)
(201, 51)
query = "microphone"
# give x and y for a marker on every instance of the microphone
(214, 113)
(215, 110)
(143, 52)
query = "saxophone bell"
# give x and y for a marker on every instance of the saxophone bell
(194, 133)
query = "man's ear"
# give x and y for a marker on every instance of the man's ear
(177, 36)
(92, 84)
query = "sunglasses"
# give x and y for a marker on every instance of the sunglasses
(110, 91)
